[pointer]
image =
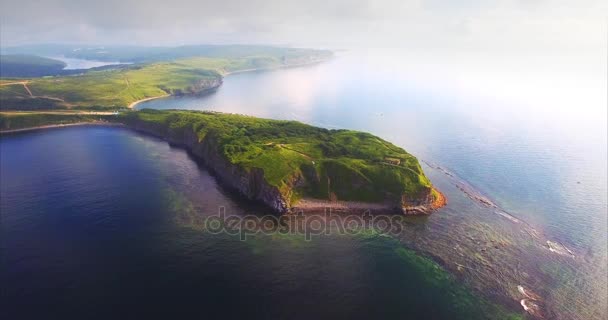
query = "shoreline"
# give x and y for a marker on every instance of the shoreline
(133, 104)
(64, 125)
(310, 205)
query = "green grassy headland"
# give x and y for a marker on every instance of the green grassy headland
(340, 164)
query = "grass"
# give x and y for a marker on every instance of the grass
(298, 158)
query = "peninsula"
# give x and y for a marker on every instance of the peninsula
(287, 165)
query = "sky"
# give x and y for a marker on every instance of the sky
(503, 25)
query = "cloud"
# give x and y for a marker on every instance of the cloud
(476, 24)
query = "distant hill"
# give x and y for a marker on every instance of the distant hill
(23, 65)
(138, 54)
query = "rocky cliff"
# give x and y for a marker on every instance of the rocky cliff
(249, 183)
(200, 87)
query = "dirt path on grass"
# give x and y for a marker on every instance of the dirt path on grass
(27, 89)
(23, 83)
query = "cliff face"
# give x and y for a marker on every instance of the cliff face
(249, 183)
(200, 87)
(206, 85)
(317, 185)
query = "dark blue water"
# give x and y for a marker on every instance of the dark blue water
(93, 227)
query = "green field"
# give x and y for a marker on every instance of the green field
(118, 88)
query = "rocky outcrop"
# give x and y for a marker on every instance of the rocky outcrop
(206, 85)
(424, 203)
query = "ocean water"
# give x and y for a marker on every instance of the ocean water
(97, 223)
(103, 219)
